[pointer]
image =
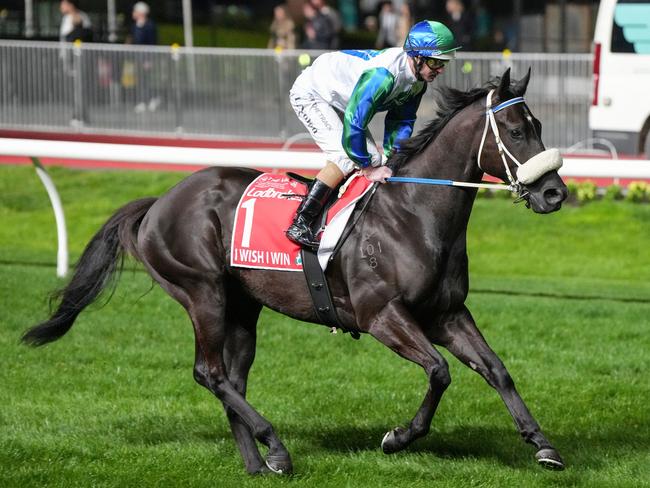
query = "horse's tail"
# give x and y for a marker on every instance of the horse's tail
(94, 271)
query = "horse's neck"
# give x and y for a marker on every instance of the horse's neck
(453, 153)
(451, 156)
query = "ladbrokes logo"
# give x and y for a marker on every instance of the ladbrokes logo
(268, 193)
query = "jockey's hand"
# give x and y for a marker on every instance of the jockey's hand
(379, 173)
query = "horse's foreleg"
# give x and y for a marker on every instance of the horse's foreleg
(396, 328)
(208, 315)
(462, 338)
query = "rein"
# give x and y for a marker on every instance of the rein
(431, 181)
(490, 121)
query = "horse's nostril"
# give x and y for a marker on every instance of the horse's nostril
(554, 196)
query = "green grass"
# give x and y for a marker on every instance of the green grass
(114, 403)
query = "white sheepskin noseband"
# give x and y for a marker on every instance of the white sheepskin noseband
(539, 165)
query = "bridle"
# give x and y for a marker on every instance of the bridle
(527, 172)
(490, 121)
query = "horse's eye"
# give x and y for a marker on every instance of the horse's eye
(516, 134)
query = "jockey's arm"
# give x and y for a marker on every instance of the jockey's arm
(372, 89)
(399, 122)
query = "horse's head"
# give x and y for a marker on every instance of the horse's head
(511, 148)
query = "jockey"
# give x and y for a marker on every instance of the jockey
(338, 95)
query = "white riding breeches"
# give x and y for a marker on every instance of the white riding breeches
(325, 124)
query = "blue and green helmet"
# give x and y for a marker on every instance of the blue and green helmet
(430, 39)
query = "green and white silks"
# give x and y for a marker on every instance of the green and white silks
(356, 85)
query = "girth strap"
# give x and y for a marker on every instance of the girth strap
(320, 292)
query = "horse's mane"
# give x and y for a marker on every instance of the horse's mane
(450, 101)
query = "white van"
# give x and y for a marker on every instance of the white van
(620, 110)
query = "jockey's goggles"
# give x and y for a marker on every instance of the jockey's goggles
(435, 63)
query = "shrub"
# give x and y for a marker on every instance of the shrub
(613, 192)
(586, 191)
(638, 191)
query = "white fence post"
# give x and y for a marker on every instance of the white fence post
(62, 234)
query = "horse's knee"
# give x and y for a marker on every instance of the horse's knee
(440, 376)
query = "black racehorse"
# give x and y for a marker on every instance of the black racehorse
(410, 297)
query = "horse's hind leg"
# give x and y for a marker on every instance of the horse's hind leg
(208, 311)
(395, 328)
(462, 338)
(239, 352)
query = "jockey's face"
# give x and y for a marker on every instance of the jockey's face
(430, 68)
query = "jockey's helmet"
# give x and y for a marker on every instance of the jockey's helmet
(430, 39)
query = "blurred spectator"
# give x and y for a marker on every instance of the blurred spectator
(334, 18)
(370, 23)
(499, 42)
(404, 23)
(460, 23)
(349, 10)
(143, 32)
(283, 35)
(75, 24)
(482, 27)
(387, 34)
(318, 29)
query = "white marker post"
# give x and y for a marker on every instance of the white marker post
(62, 234)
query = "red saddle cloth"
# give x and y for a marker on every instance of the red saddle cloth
(266, 210)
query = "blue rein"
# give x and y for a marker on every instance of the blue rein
(432, 181)
(423, 181)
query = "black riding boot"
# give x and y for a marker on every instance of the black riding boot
(300, 230)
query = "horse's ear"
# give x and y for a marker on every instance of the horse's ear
(520, 87)
(504, 86)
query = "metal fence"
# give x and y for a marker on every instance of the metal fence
(235, 93)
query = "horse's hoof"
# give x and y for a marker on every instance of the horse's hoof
(279, 464)
(550, 459)
(390, 444)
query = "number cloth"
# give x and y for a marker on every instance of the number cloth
(266, 210)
